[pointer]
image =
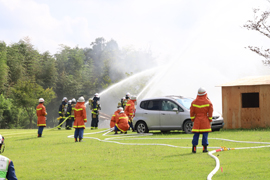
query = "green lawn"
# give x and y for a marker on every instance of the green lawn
(55, 156)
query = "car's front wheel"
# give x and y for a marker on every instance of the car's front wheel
(142, 127)
(187, 127)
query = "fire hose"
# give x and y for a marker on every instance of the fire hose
(220, 149)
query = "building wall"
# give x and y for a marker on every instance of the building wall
(237, 117)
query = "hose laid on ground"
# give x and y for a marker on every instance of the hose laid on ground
(210, 175)
(59, 124)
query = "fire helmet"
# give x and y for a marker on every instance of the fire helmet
(41, 100)
(81, 99)
(201, 91)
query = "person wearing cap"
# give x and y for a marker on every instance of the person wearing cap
(7, 170)
(130, 109)
(62, 112)
(95, 107)
(121, 123)
(79, 119)
(115, 116)
(41, 115)
(201, 111)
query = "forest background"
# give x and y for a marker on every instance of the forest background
(27, 75)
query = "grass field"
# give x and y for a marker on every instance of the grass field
(55, 156)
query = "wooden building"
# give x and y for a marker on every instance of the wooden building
(246, 103)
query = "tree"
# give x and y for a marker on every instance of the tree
(3, 66)
(261, 24)
(26, 94)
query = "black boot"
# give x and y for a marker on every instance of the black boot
(80, 140)
(194, 148)
(205, 148)
(76, 140)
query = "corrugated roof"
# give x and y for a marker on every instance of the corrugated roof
(249, 81)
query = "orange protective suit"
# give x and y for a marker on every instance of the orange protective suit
(115, 116)
(130, 108)
(122, 122)
(41, 113)
(79, 115)
(201, 112)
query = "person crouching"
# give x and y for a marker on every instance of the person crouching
(122, 123)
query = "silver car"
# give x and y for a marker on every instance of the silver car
(168, 113)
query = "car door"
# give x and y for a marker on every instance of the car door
(151, 114)
(170, 119)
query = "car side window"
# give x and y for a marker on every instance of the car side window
(153, 105)
(143, 104)
(167, 105)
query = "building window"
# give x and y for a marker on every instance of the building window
(250, 100)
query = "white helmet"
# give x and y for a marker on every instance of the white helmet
(73, 100)
(133, 97)
(69, 102)
(41, 100)
(128, 94)
(2, 144)
(97, 95)
(81, 99)
(120, 109)
(121, 112)
(201, 91)
(65, 98)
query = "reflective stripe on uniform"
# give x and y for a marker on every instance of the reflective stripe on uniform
(123, 117)
(119, 128)
(128, 104)
(113, 115)
(210, 118)
(201, 106)
(81, 126)
(39, 109)
(78, 109)
(85, 119)
(201, 130)
(41, 124)
(193, 117)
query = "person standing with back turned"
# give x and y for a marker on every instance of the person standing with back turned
(201, 112)
(79, 119)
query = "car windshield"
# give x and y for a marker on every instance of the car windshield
(186, 102)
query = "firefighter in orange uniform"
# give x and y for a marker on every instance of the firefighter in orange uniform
(122, 123)
(41, 113)
(79, 119)
(201, 111)
(115, 116)
(130, 109)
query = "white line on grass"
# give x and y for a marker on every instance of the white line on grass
(122, 137)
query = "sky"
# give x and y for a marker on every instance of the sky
(202, 42)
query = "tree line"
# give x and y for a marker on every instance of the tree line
(27, 75)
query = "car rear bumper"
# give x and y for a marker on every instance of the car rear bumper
(217, 125)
